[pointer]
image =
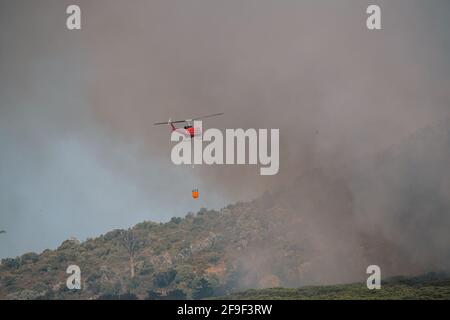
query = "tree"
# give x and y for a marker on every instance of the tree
(30, 257)
(153, 295)
(125, 296)
(176, 294)
(11, 263)
(164, 279)
(202, 289)
(131, 244)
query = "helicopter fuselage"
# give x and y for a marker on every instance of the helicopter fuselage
(188, 131)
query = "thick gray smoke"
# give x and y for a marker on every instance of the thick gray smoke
(336, 90)
(339, 93)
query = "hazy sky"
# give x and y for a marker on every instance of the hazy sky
(79, 155)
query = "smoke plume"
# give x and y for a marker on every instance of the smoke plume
(341, 95)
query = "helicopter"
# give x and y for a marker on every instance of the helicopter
(188, 130)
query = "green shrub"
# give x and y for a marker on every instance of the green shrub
(164, 279)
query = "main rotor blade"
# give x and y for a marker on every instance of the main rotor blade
(209, 116)
(189, 120)
(160, 123)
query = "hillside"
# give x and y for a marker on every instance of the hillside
(185, 254)
(263, 243)
(432, 286)
(427, 287)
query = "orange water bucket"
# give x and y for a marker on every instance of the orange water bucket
(195, 194)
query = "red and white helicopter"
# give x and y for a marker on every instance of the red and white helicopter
(188, 130)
